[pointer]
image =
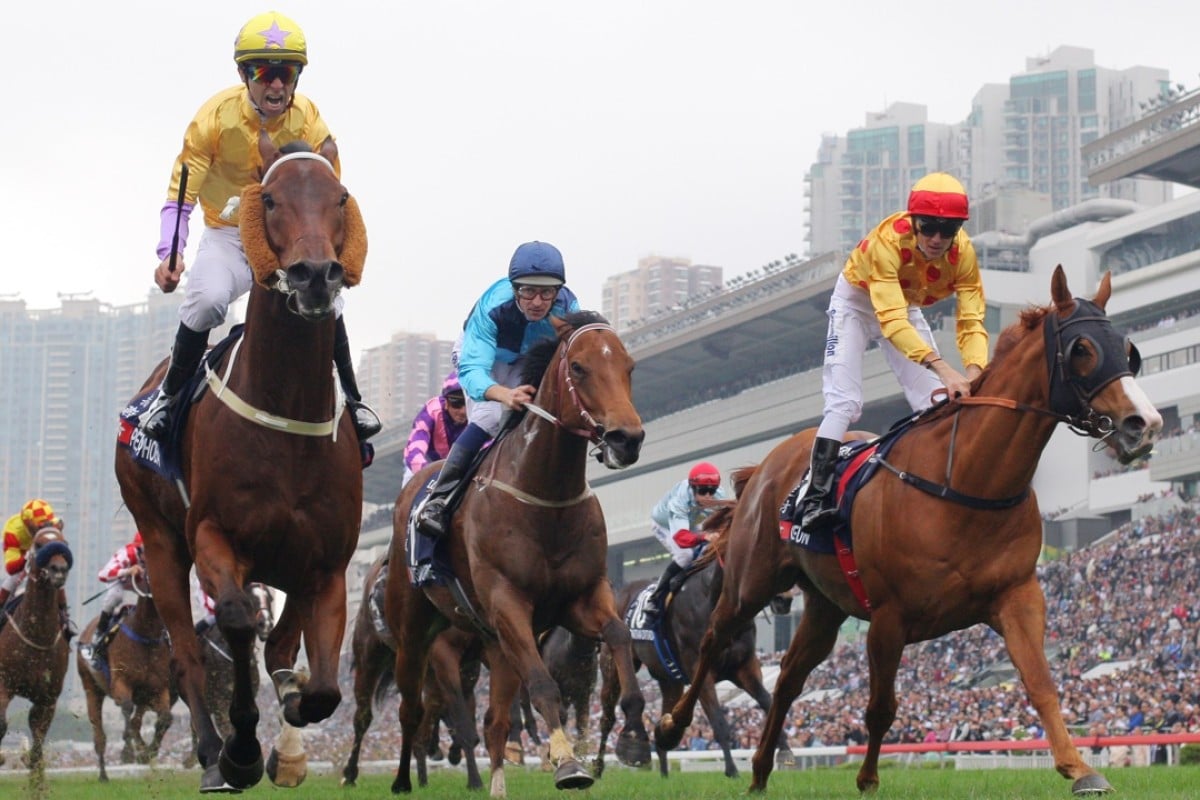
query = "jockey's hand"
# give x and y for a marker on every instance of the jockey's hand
(956, 384)
(516, 397)
(167, 280)
(135, 570)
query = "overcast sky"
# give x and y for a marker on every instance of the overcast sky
(614, 130)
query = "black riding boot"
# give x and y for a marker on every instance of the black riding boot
(100, 640)
(820, 511)
(654, 603)
(432, 521)
(185, 359)
(366, 421)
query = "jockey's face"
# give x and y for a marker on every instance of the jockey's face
(535, 302)
(271, 88)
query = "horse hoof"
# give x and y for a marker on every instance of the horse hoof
(1093, 783)
(239, 776)
(571, 775)
(785, 758)
(666, 735)
(287, 771)
(514, 754)
(455, 756)
(632, 750)
(212, 782)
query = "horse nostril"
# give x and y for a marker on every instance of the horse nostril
(1133, 426)
(300, 275)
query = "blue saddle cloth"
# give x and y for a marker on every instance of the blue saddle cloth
(428, 559)
(163, 456)
(641, 629)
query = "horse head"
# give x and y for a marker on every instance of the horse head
(50, 557)
(594, 370)
(1092, 373)
(302, 231)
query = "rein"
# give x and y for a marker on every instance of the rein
(1083, 422)
(12, 621)
(221, 390)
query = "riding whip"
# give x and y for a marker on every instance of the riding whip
(183, 175)
(93, 597)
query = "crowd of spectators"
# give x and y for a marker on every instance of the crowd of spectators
(1128, 602)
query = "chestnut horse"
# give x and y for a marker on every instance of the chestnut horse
(139, 661)
(683, 623)
(948, 535)
(449, 688)
(529, 547)
(272, 473)
(33, 652)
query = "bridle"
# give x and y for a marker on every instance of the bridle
(594, 432)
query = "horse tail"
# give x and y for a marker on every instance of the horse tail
(384, 688)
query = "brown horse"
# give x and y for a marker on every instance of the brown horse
(272, 473)
(936, 558)
(683, 624)
(529, 547)
(138, 679)
(454, 662)
(573, 663)
(33, 652)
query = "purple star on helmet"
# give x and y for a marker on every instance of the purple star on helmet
(274, 35)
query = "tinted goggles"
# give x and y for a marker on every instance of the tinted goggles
(263, 72)
(455, 400)
(929, 226)
(705, 489)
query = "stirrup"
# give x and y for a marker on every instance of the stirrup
(156, 419)
(431, 519)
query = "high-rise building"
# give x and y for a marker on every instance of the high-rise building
(397, 378)
(1027, 134)
(658, 284)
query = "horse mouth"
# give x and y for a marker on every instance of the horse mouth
(1127, 455)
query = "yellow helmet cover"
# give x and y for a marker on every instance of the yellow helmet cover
(270, 36)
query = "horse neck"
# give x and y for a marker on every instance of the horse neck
(285, 363)
(146, 621)
(40, 602)
(996, 449)
(548, 460)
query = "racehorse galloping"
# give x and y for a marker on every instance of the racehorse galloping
(139, 670)
(449, 689)
(683, 624)
(529, 546)
(573, 663)
(33, 652)
(272, 469)
(930, 565)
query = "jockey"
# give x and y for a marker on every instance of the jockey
(19, 531)
(220, 149)
(507, 320)
(119, 574)
(676, 522)
(436, 427)
(913, 258)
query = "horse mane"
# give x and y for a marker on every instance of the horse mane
(538, 358)
(1030, 318)
(720, 521)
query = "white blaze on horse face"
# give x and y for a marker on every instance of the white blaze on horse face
(1144, 407)
(606, 351)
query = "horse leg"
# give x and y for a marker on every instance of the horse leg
(885, 645)
(168, 564)
(240, 761)
(131, 734)
(749, 678)
(366, 677)
(514, 750)
(596, 617)
(720, 726)
(410, 675)
(163, 718)
(738, 603)
(811, 644)
(95, 704)
(5, 699)
(1021, 619)
(503, 688)
(324, 628)
(445, 663)
(671, 693)
(40, 717)
(287, 764)
(610, 691)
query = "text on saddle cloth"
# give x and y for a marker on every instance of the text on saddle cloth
(642, 629)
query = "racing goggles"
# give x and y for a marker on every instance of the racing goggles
(266, 72)
(929, 226)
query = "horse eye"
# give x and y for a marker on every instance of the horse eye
(345, 198)
(577, 370)
(268, 201)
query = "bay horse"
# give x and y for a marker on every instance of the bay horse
(683, 624)
(936, 557)
(529, 547)
(139, 679)
(573, 663)
(453, 670)
(271, 487)
(33, 652)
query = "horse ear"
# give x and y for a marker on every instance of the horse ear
(561, 328)
(1061, 295)
(353, 255)
(1105, 290)
(329, 150)
(252, 222)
